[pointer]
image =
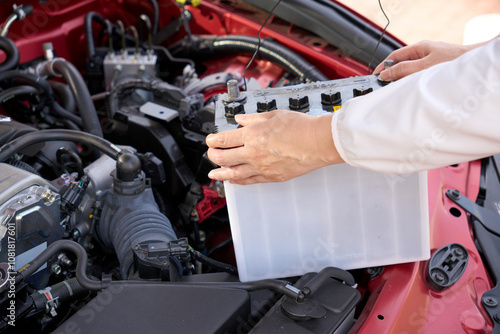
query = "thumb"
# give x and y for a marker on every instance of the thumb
(245, 120)
(402, 70)
(379, 68)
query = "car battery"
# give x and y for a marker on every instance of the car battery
(338, 215)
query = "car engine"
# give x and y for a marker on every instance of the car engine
(108, 221)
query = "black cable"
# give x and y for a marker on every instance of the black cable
(178, 265)
(213, 263)
(7, 150)
(220, 245)
(258, 46)
(186, 27)
(380, 39)
(172, 58)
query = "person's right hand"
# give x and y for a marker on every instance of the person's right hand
(419, 56)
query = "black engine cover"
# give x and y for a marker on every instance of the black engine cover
(161, 308)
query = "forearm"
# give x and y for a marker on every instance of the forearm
(444, 115)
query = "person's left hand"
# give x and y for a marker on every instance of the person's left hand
(272, 147)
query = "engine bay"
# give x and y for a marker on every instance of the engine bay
(108, 220)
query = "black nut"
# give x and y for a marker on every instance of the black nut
(361, 92)
(234, 108)
(299, 103)
(266, 105)
(331, 98)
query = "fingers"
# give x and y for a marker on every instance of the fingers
(235, 138)
(235, 173)
(403, 69)
(226, 139)
(221, 174)
(379, 68)
(228, 157)
(245, 120)
(244, 174)
(408, 53)
(397, 56)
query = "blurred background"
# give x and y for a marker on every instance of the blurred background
(456, 21)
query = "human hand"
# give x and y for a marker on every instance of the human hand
(419, 56)
(272, 147)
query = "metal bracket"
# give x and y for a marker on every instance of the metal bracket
(489, 219)
(486, 225)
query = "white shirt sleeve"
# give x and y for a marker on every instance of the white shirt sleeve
(447, 114)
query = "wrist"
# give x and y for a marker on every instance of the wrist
(326, 150)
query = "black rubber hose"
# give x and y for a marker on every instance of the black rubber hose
(11, 54)
(87, 283)
(59, 110)
(213, 263)
(57, 121)
(41, 84)
(329, 272)
(12, 92)
(269, 50)
(53, 249)
(69, 124)
(82, 95)
(271, 284)
(7, 150)
(156, 19)
(89, 33)
(62, 292)
(65, 95)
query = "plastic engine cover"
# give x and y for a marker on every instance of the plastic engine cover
(160, 308)
(336, 299)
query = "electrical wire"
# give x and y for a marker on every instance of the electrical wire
(172, 58)
(380, 39)
(258, 45)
